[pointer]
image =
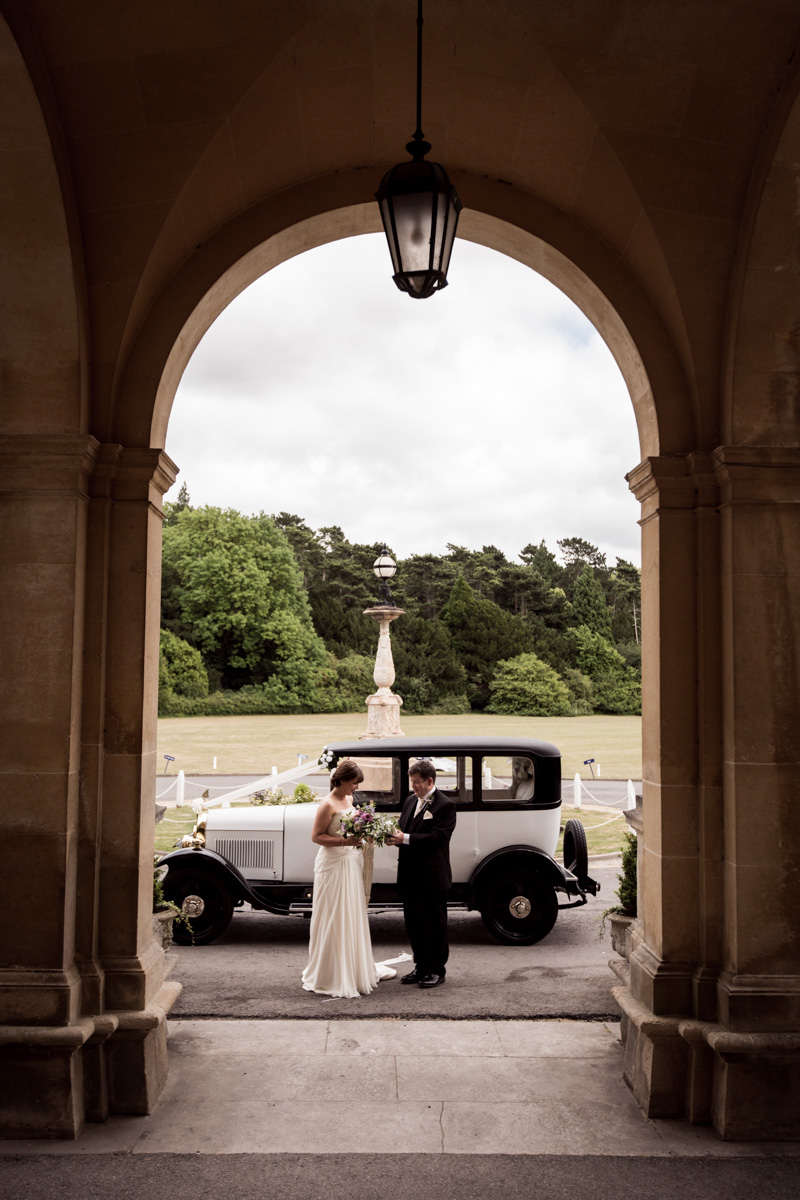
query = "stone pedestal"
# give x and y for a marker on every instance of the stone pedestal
(383, 706)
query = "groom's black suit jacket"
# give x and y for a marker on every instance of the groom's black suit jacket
(425, 862)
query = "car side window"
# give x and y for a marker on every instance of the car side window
(450, 779)
(383, 783)
(508, 779)
(450, 776)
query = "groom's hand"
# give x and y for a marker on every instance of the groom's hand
(395, 839)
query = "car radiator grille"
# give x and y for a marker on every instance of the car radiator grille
(257, 853)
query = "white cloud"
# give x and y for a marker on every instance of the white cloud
(491, 413)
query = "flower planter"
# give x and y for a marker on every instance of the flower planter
(621, 933)
(162, 927)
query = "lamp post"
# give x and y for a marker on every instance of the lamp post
(419, 209)
(383, 706)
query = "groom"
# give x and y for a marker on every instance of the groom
(423, 873)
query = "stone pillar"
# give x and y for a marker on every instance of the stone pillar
(667, 942)
(713, 1006)
(757, 1084)
(83, 994)
(43, 503)
(133, 963)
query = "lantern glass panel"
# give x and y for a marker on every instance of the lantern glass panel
(412, 216)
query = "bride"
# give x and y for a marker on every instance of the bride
(340, 961)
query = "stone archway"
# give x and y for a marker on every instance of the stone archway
(626, 155)
(668, 484)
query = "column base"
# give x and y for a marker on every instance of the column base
(746, 1084)
(57, 1078)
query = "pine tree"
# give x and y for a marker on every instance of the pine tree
(589, 604)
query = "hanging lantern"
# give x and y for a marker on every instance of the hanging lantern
(419, 209)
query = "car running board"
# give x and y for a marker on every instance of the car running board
(304, 907)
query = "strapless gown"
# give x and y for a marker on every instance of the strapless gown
(340, 961)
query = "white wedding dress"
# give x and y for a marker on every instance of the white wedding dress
(340, 961)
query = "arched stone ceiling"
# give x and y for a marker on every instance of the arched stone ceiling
(640, 119)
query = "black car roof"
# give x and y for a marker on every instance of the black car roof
(447, 745)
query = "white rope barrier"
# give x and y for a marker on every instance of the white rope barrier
(616, 817)
(579, 787)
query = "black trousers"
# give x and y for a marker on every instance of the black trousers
(425, 913)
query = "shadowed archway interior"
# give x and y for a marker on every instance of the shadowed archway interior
(157, 160)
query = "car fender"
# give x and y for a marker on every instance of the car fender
(214, 864)
(537, 860)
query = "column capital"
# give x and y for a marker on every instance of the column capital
(131, 473)
(684, 481)
(758, 474)
(47, 463)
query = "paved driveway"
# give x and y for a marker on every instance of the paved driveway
(254, 970)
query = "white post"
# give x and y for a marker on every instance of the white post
(630, 794)
(598, 769)
(215, 762)
(487, 776)
(180, 789)
(274, 770)
(576, 790)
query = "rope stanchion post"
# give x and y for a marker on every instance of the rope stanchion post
(576, 791)
(180, 790)
(630, 793)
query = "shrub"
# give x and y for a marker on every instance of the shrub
(581, 692)
(525, 686)
(303, 794)
(592, 653)
(628, 881)
(180, 667)
(619, 692)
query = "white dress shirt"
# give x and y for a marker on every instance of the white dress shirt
(421, 802)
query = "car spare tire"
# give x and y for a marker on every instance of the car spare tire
(576, 851)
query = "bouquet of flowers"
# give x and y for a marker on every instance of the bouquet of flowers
(369, 826)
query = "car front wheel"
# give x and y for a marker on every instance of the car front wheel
(206, 902)
(519, 907)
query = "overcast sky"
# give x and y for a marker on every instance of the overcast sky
(491, 413)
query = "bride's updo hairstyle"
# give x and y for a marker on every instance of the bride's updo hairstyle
(346, 772)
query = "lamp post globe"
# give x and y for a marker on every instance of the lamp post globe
(384, 567)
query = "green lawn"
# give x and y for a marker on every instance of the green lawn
(253, 745)
(174, 824)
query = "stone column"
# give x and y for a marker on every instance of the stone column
(43, 503)
(757, 1083)
(713, 1006)
(134, 966)
(83, 1005)
(676, 952)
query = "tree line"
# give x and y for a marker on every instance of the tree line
(263, 614)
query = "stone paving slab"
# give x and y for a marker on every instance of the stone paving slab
(395, 1087)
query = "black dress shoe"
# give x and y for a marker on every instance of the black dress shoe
(412, 977)
(429, 981)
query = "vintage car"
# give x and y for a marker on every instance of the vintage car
(508, 795)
